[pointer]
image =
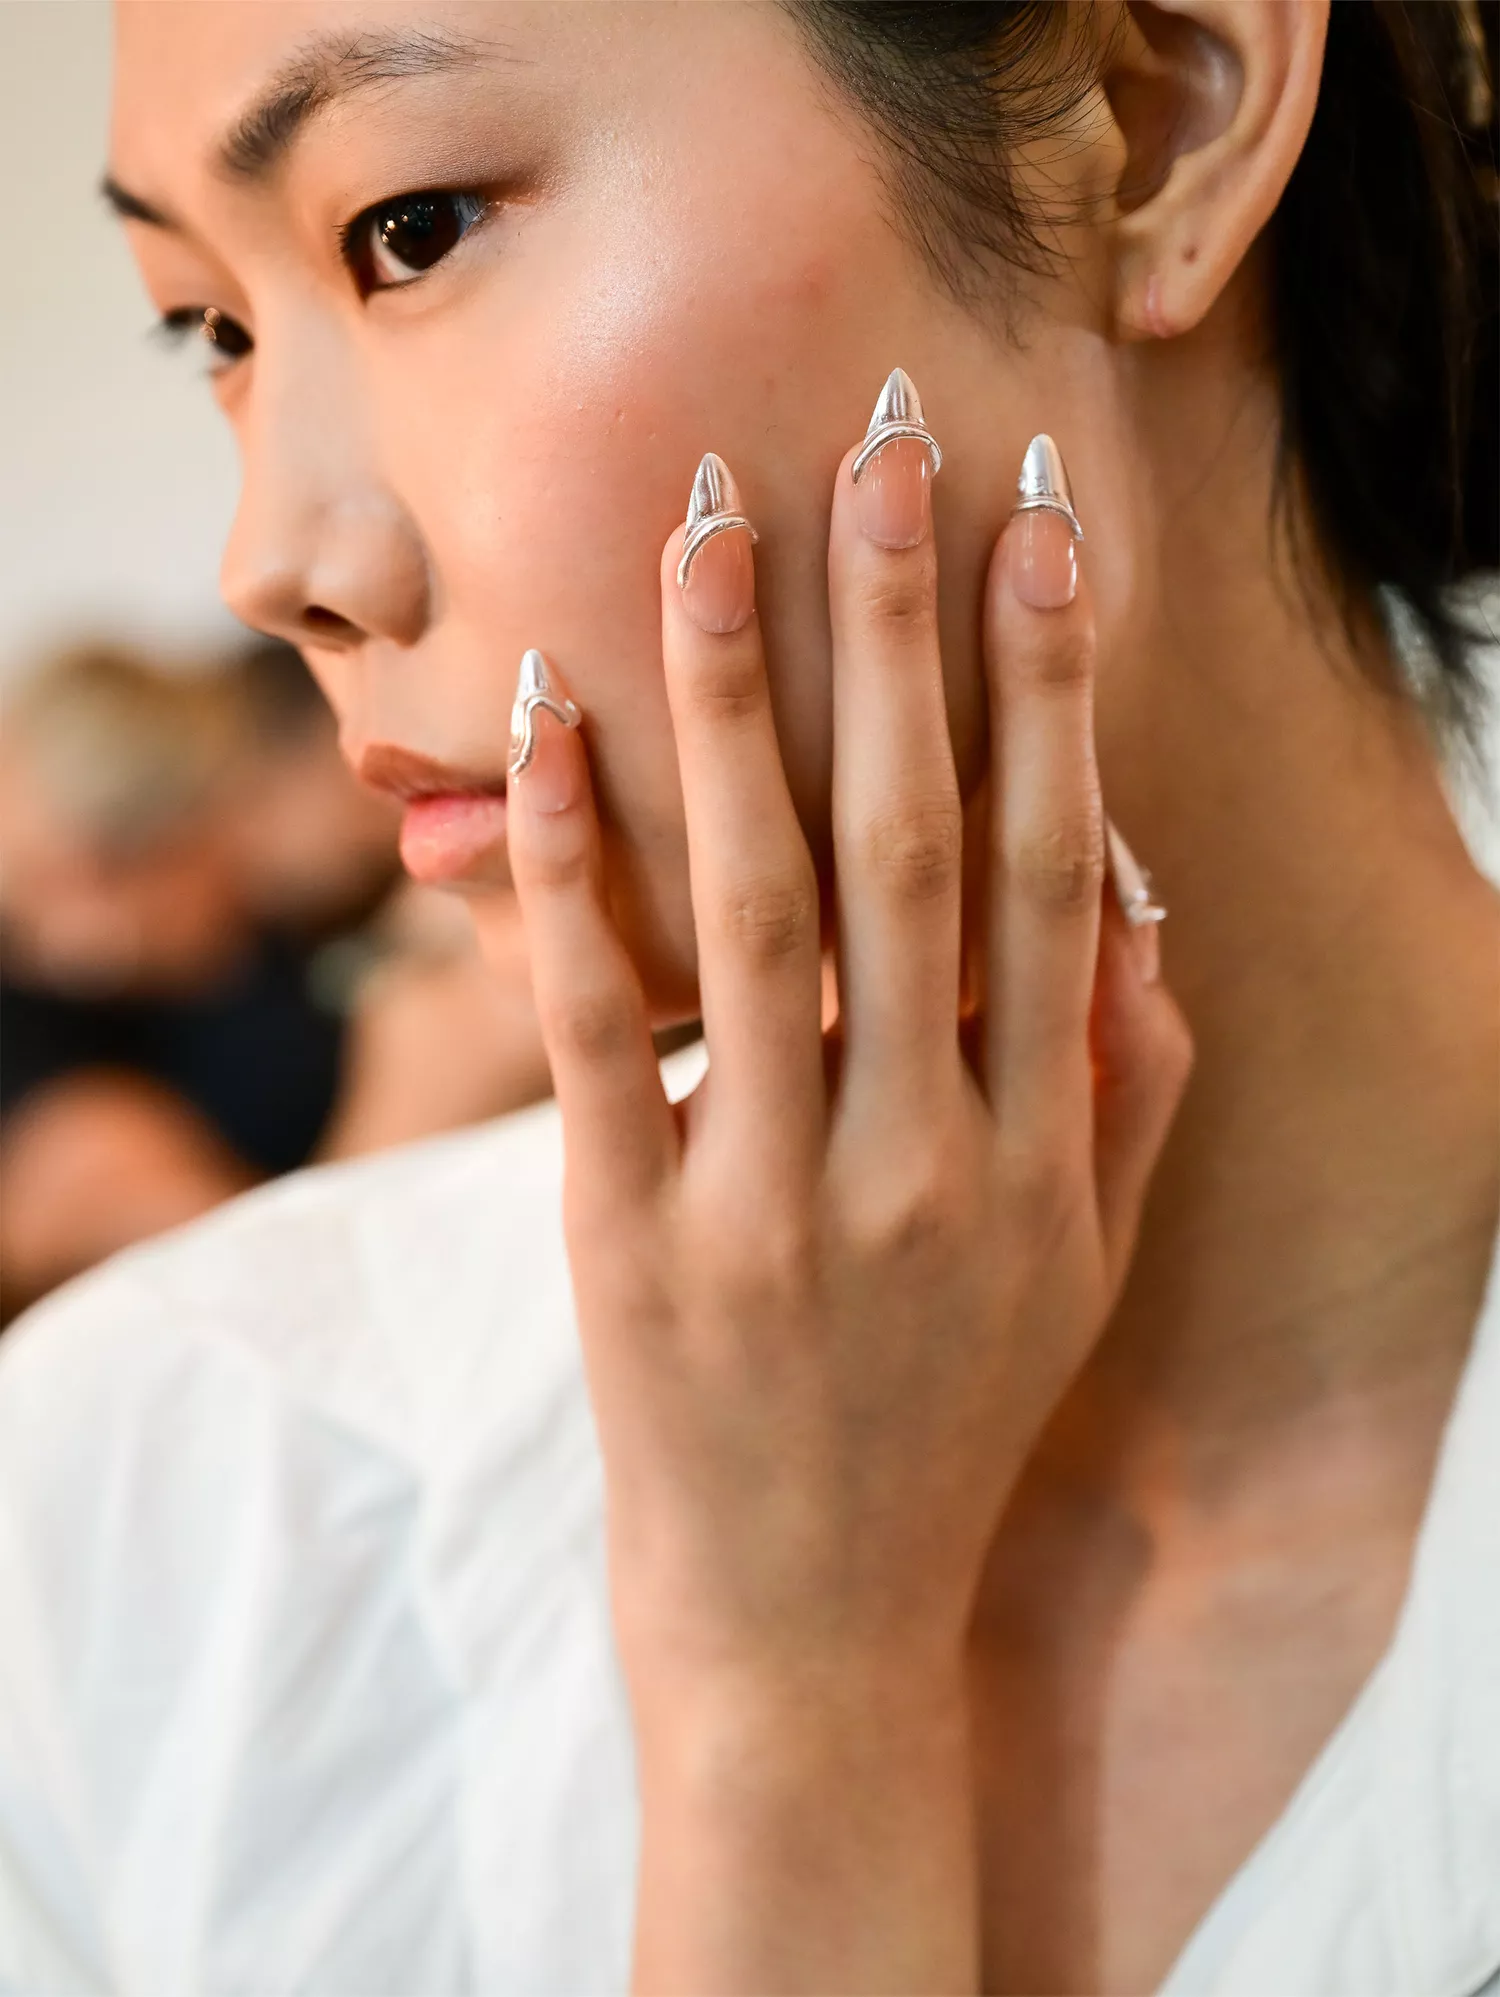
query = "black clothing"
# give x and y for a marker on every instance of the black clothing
(258, 1057)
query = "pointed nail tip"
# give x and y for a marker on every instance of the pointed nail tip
(1043, 470)
(537, 680)
(1043, 482)
(711, 470)
(533, 673)
(898, 413)
(898, 402)
(715, 490)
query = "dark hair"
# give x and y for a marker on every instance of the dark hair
(1384, 253)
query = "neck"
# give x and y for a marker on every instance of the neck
(1322, 1223)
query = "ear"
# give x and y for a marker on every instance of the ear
(1213, 99)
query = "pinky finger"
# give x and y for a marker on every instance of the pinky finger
(1144, 1053)
(617, 1125)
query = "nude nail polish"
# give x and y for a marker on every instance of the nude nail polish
(1043, 566)
(717, 571)
(1044, 530)
(894, 469)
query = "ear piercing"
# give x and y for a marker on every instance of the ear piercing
(536, 691)
(898, 413)
(713, 508)
(1043, 484)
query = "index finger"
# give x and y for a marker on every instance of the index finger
(618, 1130)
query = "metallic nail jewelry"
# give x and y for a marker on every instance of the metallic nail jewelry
(713, 508)
(534, 691)
(1138, 903)
(898, 413)
(1043, 484)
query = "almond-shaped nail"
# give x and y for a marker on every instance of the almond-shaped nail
(1045, 530)
(551, 779)
(894, 469)
(717, 571)
(1138, 903)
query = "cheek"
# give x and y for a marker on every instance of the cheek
(571, 399)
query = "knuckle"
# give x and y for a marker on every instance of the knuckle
(912, 1215)
(1065, 662)
(593, 1028)
(900, 595)
(728, 689)
(558, 864)
(916, 848)
(1060, 867)
(771, 917)
(1041, 1190)
(776, 1260)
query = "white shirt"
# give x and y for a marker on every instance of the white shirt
(306, 1674)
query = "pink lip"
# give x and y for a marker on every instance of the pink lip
(453, 829)
(453, 836)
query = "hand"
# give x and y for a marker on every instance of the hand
(826, 1308)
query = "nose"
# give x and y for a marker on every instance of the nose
(321, 552)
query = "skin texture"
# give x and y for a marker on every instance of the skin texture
(702, 255)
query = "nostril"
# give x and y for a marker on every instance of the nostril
(328, 625)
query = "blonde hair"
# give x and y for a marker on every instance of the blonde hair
(130, 753)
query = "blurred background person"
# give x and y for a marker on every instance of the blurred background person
(209, 970)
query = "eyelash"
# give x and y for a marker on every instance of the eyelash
(230, 340)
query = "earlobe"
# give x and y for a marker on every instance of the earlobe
(1213, 99)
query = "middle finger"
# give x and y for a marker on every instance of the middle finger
(897, 823)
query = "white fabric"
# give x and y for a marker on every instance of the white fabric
(306, 1679)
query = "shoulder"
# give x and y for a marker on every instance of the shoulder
(220, 1456)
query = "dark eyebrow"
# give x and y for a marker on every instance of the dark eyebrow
(130, 207)
(323, 71)
(327, 69)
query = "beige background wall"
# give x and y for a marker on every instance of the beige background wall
(116, 472)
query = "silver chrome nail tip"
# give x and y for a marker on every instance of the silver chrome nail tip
(714, 490)
(899, 402)
(1043, 485)
(898, 413)
(1138, 904)
(713, 508)
(536, 692)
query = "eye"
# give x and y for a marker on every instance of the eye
(397, 241)
(226, 338)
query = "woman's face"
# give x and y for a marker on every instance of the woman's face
(468, 428)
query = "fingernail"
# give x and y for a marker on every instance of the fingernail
(537, 753)
(894, 469)
(1045, 530)
(1138, 904)
(717, 572)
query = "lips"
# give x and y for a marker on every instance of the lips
(455, 837)
(453, 829)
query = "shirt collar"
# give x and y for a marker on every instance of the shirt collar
(1438, 1754)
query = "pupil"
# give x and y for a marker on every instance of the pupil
(420, 230)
